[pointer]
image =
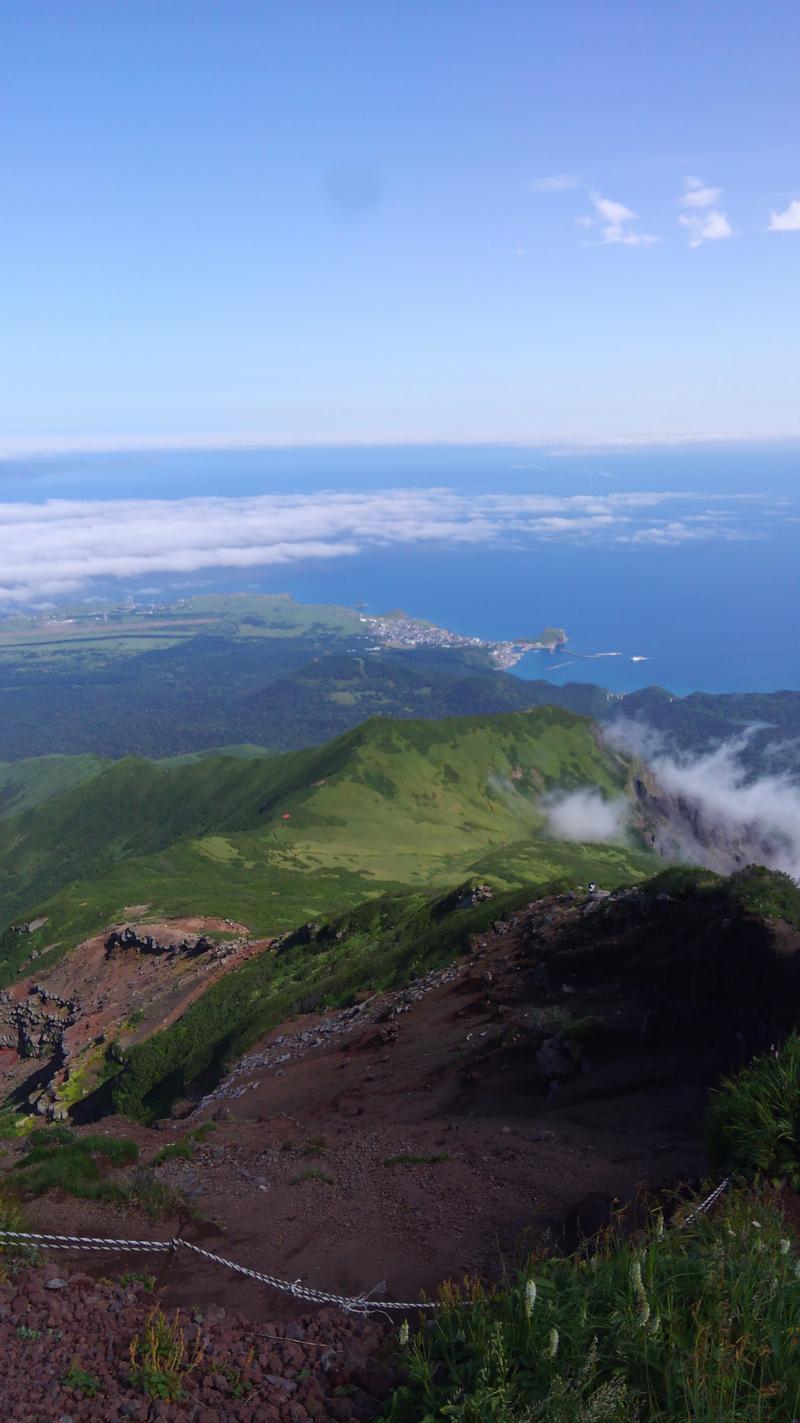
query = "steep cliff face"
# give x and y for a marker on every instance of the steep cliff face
(680, 826)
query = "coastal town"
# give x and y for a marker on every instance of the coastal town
(399, 630)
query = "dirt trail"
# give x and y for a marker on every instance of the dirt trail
(432, 1132)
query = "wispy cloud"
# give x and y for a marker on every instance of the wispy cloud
(711, 226)
(59, 548)
(615, 223)
(697, 195)
(786, 221)
(556, 183)
(705, 223)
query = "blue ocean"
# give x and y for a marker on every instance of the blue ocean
(700, 588)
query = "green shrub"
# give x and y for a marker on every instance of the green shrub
(156, 1198)
(160, 1359)
(137, 1277)
(175, 1151)
(82, 1382)
(57, 1159)
(755, 888)
(701, 1325)
(754, 1117)
(12, 1217)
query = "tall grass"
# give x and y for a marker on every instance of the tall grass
(700, 1324)
(754, 1117)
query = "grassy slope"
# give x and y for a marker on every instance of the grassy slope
(379, 945)
(389, 804)
(26, 784)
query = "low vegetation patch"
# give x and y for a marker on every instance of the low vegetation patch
(160, 1359)
(137, 1277)
(81, 1381)
(57, 1159)
(408, 1158)
(313, 1174)
(754, 1117)
(312, 1146)
(175, 1151)
(699, 1323)
(769, 893)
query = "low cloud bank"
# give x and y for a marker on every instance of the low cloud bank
(55, 549)
(720, 817)
(585, 816)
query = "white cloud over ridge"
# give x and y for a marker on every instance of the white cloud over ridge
(57, 549)
(743, 820)
(586, 817)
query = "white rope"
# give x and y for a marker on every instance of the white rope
(709, 1201)
(86, 1242)
(354, 1304)
(357, 1304)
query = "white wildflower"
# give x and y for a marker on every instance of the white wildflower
(530, 1297)
(552, 1344)
(786, 1246)
(403, 1333)
(642, 1304)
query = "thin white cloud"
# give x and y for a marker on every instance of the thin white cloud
(615, 223)
(611, 211)
(556, 183)
(697, 195)
(58, 548)
(709, 226)
(786, 221)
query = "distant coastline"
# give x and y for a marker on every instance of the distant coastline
(397, 629)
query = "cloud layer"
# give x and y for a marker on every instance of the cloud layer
(586, 817)
(56, 549)
(728, 817)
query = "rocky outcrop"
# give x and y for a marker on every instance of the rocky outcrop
(143, 943)
(35, 1026)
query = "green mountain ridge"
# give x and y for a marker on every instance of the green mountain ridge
(273, 841)
(256, 669)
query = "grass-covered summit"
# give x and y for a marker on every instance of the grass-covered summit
(271, 842)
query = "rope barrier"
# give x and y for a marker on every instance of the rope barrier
(85, 1242)
(353, 1304)
(709, 1201)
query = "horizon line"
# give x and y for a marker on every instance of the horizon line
(37, 447)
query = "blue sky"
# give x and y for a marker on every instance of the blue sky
(370, 221)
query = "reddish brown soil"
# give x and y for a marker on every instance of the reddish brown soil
(110, 989)
(294, 1178)
(54, 1322)
(522, 1141)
